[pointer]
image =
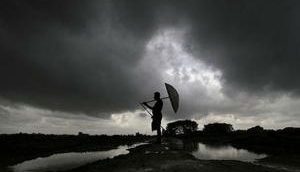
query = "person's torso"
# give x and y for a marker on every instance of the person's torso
(157, 108)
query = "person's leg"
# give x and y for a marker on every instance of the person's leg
(158, 135)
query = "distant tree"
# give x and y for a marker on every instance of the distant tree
(181, 127)
(290, 131)
(82, 134)
(256, 130)
(137, 134)
(217, 128)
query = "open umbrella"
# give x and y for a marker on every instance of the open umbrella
(173, 96)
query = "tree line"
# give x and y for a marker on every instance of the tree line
(189, 127)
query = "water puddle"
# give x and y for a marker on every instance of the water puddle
(66, 161)
(224, 152)
(217, 152)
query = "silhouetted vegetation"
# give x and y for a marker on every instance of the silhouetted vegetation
(181, 127)
(256, 130)
(218, 129)
(256, 138)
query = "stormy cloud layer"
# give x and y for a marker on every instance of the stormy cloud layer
(59, 55)
(230, 60)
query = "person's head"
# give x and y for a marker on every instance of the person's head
(156, 95)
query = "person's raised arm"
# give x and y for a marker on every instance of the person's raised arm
(145, 103)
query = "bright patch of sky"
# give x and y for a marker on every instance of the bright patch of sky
(167, 56)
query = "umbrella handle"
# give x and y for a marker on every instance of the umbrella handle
(155, 100)
(149, 113)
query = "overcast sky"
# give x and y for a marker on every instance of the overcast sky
(75, 65)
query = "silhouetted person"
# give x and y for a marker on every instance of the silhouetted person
(157, 115)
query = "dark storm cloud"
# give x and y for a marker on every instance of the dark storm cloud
(72, 55)
(254, 43)
(81, 55)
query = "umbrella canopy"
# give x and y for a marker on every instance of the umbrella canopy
(173, 96)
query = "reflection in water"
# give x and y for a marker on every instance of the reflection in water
(66, 161)
(208, 152)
